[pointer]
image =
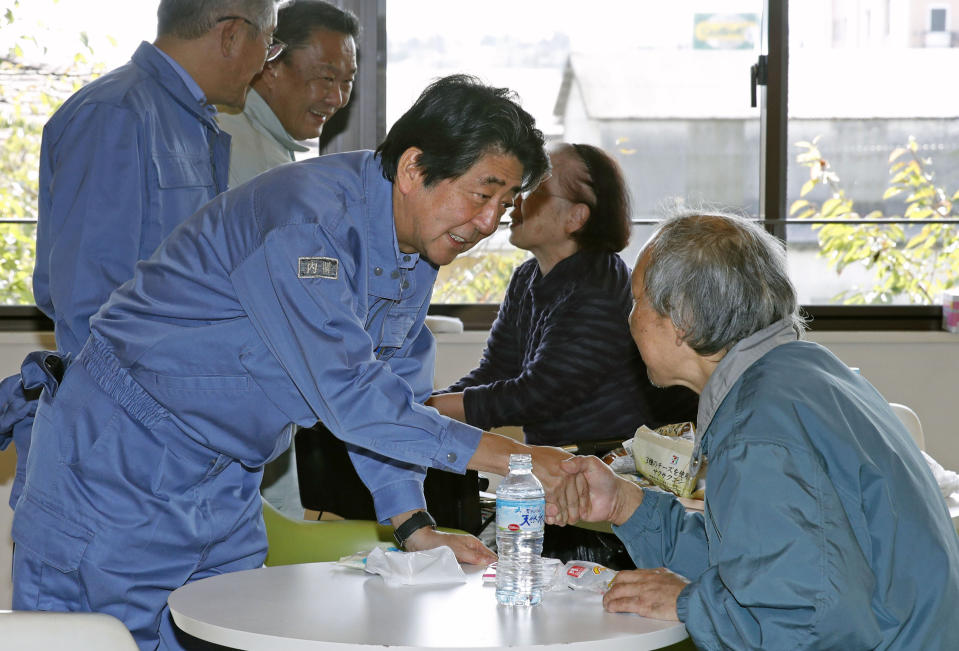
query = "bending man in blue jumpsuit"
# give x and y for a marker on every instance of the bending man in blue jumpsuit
(134, 153)
(824, 527)
(299, 296)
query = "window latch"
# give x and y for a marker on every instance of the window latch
(757, 75)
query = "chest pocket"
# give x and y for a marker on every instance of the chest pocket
(183, 170)
(396, 328)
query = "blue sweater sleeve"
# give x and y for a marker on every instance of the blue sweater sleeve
(571, 357)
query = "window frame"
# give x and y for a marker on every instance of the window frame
(363, 125)
(945, 18)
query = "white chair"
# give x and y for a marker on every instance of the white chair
(911, 421)
(41, 631)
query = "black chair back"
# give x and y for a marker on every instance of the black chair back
(329, 483)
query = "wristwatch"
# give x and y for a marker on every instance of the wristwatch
(416, 522)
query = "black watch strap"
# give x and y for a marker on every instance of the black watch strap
(416, 522)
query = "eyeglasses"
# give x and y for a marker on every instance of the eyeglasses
(275, 47)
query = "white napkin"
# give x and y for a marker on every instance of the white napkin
(437, 565)
(948, 480)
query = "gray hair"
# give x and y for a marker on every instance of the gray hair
(719, 278)
(189, 19)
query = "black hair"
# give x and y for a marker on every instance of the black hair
(609, 224)
(295, 22)
(458, 119)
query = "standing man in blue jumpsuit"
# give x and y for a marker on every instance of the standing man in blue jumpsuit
(824, 527)
(134, 153)
(297, 297)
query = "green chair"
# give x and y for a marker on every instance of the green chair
(304, 541)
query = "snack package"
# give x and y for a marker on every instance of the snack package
(620, 460)
(357, 560)
(663, 456)
(584, 575)
(682, 430)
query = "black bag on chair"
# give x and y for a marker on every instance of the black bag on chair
(329, 483)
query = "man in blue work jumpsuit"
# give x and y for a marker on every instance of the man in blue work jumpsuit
(131, 155)
(299, 296)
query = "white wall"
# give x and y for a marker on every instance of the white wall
(919, 369)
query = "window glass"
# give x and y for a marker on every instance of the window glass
(48, 49)
(663, 87)
(937, 20)
(873, 139)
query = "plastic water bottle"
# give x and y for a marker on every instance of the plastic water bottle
(520, 519)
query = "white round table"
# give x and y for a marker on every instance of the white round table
(326, 606)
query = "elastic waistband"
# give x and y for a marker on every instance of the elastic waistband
(103, 366)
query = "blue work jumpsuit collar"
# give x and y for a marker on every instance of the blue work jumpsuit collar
(740, 357)
(386, 261)
(151, 60)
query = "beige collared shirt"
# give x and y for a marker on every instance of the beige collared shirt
(259, 140)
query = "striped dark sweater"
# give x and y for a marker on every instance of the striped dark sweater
(560, 361)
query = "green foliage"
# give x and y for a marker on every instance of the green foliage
(478, 277)
(19, 160)
(28, 96)
(913, 262)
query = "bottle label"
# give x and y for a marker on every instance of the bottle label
(520, 515)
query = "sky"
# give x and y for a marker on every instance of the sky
(588, 24)
(114, 28)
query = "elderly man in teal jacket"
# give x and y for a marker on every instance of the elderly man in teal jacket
(823, 525)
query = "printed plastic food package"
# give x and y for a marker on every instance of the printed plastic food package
(585, 575)
(663, 456)
(621, 458)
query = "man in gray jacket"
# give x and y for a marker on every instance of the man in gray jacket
(297, 92)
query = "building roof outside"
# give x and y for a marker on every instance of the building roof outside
(643, 84)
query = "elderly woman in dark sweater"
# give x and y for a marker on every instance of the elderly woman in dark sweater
(560, 361)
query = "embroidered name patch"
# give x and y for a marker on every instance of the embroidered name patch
(318, 268)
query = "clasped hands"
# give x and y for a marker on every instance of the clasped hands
(581, 488)
(585, 488)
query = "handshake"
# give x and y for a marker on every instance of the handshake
(583, 488)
